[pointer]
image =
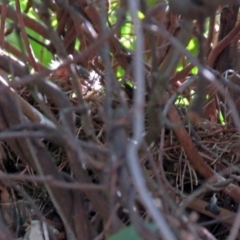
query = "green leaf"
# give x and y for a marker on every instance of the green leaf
(141, 15)
(113, 12)
(221, 118)
(130, 233)
(182, 101)
(151, 3)
(120, 72)
(194, 71)
(193, 46)
(40, 52)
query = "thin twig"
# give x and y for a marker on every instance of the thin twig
(53, 182)
(138, 129)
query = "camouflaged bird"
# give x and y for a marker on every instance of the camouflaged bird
(62, 78)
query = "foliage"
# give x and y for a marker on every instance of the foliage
(118, 115)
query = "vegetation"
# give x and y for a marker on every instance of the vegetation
(119, 119)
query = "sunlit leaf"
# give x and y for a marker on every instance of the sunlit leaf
(120, 72)
(54, 22)
(77, 44)
(128, 38)
(194, 71)
(130, 84)
(112, 17)
(182, 101)
(40, 52)
(126, 29)
(193, 46)
(141, 15)
(221, 118)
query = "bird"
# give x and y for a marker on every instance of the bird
(61, 76)
(212, 206)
